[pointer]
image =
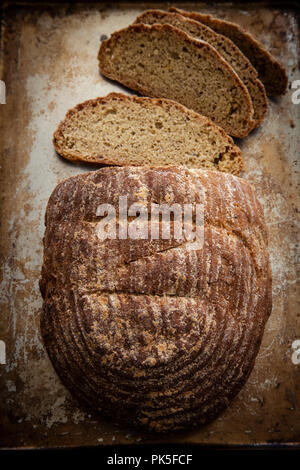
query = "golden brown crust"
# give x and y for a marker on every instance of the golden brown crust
(149, 332)
(225, 47)
(272, 74)
(235, 153)
(106, 69)
(259, 117)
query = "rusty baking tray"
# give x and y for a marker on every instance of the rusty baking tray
(49, 64)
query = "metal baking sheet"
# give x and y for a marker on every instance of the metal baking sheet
(49, 64)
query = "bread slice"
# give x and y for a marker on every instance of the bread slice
(129, 130)
(226, 48)
(270, 71)
(164, 62)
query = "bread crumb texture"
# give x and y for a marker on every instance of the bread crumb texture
(124, 130)
(272, 74)
(225, 47)
(163, 61)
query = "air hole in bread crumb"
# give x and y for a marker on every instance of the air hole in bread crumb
(110, 111)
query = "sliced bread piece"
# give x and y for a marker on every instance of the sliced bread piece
(270, 71)
(129, 130)
(226, 48)
(164, 62)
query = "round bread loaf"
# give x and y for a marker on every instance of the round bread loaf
(151, 332)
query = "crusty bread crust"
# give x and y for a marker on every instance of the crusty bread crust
(234, 153)
(225, 47)
(106, 68)
(272, 74)
(147, 332)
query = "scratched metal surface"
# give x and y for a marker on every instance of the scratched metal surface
(49, 64)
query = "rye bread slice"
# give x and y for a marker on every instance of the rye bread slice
(128, 130)
(226, 48)
(164, 62)
(270, 71)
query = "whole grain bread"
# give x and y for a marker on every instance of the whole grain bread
(128, 130)
(225, 47)
(146, 331)
(270, 71)
(162, 61)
